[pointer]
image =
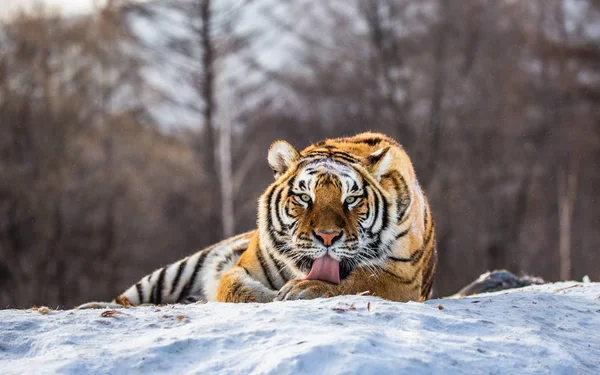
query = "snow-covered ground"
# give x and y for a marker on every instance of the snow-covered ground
(552, 328)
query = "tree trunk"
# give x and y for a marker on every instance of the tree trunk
(207, 92)
(227, 212)
(567, 194)
(567, 159)
(437, 96)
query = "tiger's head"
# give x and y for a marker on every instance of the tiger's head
(337, 203)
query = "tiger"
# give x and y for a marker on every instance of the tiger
(343, 216)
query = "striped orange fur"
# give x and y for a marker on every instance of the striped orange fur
(356, 200)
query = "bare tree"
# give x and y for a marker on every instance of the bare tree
(226, 177)
(206, 88)
(567, 195)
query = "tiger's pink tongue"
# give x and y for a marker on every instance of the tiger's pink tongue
(325, 268)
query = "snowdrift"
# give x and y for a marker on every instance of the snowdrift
(551, 328)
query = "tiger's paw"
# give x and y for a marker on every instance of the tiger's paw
(305, 289)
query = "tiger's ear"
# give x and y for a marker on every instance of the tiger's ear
(379, 162)
(281, 157)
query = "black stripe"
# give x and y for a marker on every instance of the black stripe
(345, 156)
(178, 275)
(318, 156)
(235, 253)
(402, 280)
(429, 265)
(269, 215)
(372, 251)
(432, 250)
(280, 246)
(383, 205)
(239, 252)
(402, 198)
(402, 234)
(291, 182)
(219, 267)
(431, 229)
(140, 292)
(265, 268)
(159, 286)
(334, 155)
(429, 275)
(375, 208)
(323, 154)
(384, 218)
(153, 290)
(281, 270)
(186, 289)
(414, 257)
(270, 221)
(276, 204)
(429, 236)
(286, 209)
(426, 222)
(369, 141)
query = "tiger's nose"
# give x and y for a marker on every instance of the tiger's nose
(328, 237)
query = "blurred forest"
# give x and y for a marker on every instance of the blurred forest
(138, 134)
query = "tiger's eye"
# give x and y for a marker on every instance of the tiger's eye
(305, 197)
(350, 200)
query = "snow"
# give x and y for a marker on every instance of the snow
(551, 328)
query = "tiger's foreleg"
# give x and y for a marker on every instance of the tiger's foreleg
(247, 280)
(239, 286)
